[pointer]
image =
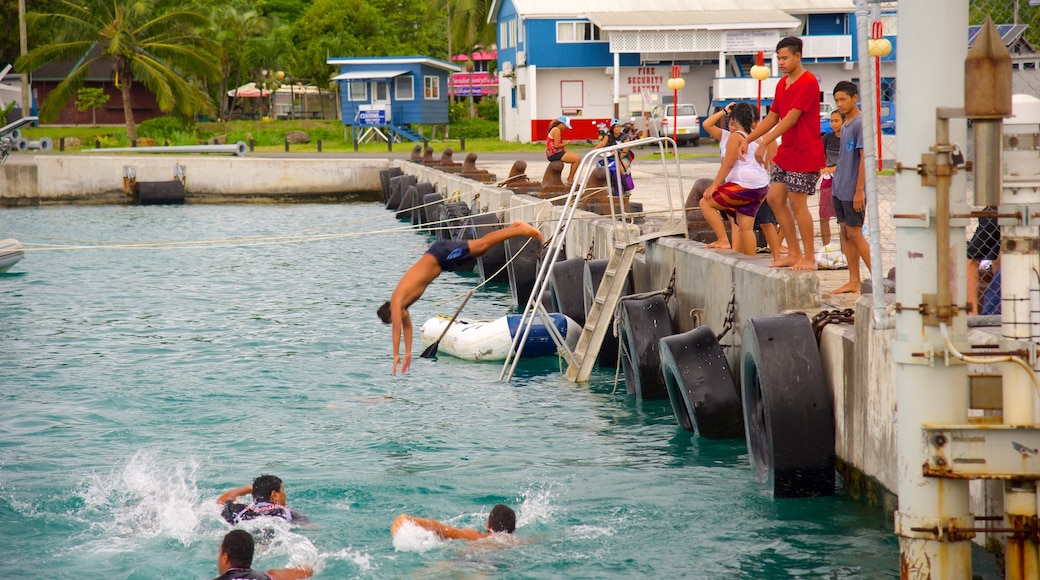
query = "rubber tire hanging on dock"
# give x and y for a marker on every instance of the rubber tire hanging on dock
(398, 185)
(492, 261)
(700, 384)
(523, 268)
(420, 217)
(159, 193)
(409, 200)
(384, 180)
(788, 413)
(565, 284)
(591, 276)
(642, 323)
(454, 220)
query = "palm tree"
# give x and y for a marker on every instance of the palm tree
(144, 40)
(233, 29)
(468, 28)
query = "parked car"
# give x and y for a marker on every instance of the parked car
(825, 117)
(888, 118)
(688, 123)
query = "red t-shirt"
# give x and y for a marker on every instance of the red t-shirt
(801, 147)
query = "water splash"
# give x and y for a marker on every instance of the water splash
(537, 505)
(413, 538)
(146, 498)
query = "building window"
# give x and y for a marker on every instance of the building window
(381, 92)
(578, 32)
(432, 88)
(357, 90)
(503, 34)
(404, 88)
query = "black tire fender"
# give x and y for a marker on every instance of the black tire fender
(700, 384)
(643, 322)
(490, 264)
(788, 412)
(522, 269)
(565, 284)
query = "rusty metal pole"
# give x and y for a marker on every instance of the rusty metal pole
(988, 101)
(934, 513)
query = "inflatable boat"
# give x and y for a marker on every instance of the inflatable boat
(491, 339)
(10, 253)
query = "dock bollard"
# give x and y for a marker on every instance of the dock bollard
(319, 145)
(462, 143)
(61, 144)
(251, 144)
(287, 145)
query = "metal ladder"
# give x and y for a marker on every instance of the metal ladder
(625, 244)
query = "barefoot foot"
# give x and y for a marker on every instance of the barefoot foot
(785, 262)
(719, 245)
(849, 287)
(805, 264)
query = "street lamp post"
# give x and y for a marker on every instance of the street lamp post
(676, 83)
(760, 72)
(879, 47)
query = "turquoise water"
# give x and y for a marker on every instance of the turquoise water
(138, 383)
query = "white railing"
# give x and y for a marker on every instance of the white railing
(731, 88)
(839, 46)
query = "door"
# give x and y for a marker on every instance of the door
(381, 96)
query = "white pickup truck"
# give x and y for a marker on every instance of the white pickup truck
(687, 121)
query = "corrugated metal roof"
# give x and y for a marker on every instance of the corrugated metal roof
(634, 8)
(368, 74)
(693, 19)
(392, 60)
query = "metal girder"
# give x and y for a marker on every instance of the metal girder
(982, 451)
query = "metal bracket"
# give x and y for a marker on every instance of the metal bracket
(953, 529)
(982, 451)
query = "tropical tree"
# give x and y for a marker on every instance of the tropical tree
(92, 98)
(146, 41)
(468, 28)
(233, 30)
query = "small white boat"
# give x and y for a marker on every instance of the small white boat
(491, 339)
(10, 253)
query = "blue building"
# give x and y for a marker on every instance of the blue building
(595, 60)
(393, 94)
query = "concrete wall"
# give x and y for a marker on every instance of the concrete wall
(98, 178)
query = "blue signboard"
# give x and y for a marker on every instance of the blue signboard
(372, 117)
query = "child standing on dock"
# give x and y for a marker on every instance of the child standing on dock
(848, 186)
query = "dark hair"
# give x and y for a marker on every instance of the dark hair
(793, 43)
(744, 115)
(502, 519)
(264, 486)
(238, 545)
(384, 312)
(847, 87)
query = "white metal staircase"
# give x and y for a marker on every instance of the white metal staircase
(625, 243)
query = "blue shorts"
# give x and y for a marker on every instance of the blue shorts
(450, 254)
(847, 214)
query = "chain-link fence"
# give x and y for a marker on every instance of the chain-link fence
(1018, 23)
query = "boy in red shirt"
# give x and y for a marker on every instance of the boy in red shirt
(795, 114)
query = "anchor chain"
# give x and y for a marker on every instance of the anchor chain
(731, 317)
(825, 317)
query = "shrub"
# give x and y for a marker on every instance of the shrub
(471, 128)
(488, 109)
(163, 128)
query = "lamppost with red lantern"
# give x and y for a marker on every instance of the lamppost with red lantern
(760, 72)
(676, 83)
(879, 47)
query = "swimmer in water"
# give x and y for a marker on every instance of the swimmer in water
(235, 558)
(442, 255)
(502, 520)
(268, 493)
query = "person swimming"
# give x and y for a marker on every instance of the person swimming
(269, 497)
(501, 520)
